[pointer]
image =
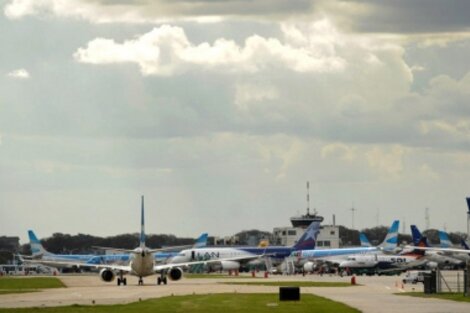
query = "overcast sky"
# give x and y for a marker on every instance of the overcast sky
(219, 111)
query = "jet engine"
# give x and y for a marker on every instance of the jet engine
(175, 273)
(309, 267)
(229, 265)
(107, 275)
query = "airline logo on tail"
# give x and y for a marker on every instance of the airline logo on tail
(416, 235)
(364, 240)
(201, 241)
(464, 245)
(444, 239)
(309, 238)
(391, 240)
(36, 247)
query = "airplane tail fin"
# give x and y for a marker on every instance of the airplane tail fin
(201, 241)
(309, 237)
(422, 242)
(391, 239)
(468, 205)
(444, 239)
(465, 245)
(37, 249)
(142, 226)
(364, 240)
(417, 236)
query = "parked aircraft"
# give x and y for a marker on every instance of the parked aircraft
(308, 258)
(142, 263)
(276, 254)
(39, 252)
(380, 262)
(433, 255)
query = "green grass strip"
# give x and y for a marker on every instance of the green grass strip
(28, 284)
(291, 283)
(215, 303)
(444, 296)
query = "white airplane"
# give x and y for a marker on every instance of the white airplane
(440, 256)
(276, 254)
(142, 263)
(309, 259)
(381, 263)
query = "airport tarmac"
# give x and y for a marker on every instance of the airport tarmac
(375, 294)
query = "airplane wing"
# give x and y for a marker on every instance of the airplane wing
(440, 249)
(150, 250)
(161, 267)
(125, 268)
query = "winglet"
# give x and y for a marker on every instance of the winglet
(142, 226)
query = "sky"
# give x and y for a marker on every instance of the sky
(220, 111)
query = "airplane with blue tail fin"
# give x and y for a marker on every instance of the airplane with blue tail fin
(309, 258)
(276, 254)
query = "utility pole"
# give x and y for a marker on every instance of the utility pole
(352, 213)
(426, 218)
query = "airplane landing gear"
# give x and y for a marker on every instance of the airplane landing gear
(121, 279)
(162, 279)
(141, 281)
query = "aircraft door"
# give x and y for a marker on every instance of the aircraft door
(193, 255)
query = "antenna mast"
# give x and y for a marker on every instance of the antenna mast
(426, 218)
(308, 197)
(352, 213)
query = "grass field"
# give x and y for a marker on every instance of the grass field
(444, 296)
(28, 284)
(227, 303)
(291, 283)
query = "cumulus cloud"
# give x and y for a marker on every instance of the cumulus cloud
(19, 74)
(166, 50)
(388, 162)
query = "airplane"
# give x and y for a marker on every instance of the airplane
(439, 257)
(379, 262)
(142, 263)
(446, 243)
(308, 258)
(39, 252)
(274, 253)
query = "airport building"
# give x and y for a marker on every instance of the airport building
(288, 236)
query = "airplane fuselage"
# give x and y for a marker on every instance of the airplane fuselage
(142, 263)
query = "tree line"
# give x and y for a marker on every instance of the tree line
(84, 244)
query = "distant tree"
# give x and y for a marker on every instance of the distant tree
(376, 234)
(253, 237)
(432, 235)
(348, 237)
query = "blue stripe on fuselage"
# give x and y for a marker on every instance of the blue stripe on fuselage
(332, 252)
(273, 252)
